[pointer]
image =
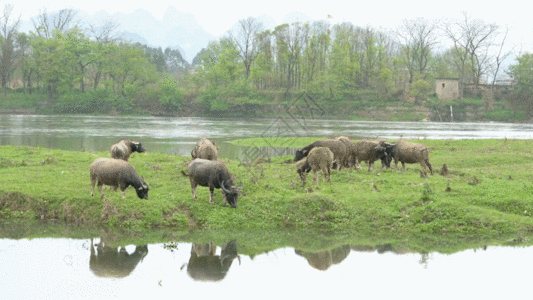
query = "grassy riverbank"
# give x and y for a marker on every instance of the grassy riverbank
(488, 191)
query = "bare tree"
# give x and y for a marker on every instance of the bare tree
(417, 38)
(106, 32)
(46, 24)
(8, 34)
(245, 39)
(500, 57)
(471, 38)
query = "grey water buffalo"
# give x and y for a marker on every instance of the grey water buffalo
(213, 174)
(114, 262)
(369, 152)
(205, 148)
(337, 147)
(350, 151)
(411, 153)
(124, 148)
(116, 173)
(318, 159)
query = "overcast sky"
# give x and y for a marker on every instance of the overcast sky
(217, 17)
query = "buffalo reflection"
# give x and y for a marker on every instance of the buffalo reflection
(325, 259)
(113, 262)
(205, 265)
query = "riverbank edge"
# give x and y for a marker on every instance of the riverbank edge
(464, 112)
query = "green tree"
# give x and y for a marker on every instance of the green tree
(522, 74)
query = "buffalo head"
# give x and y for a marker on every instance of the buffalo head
(142, 191)
(137, 147)
(300, 154)
(231, 193)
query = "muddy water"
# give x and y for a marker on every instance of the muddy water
(46, 268)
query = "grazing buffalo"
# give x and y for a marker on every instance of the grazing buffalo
(205, 148)
(124, 148)
(369, 152)
(318, 159)
(213, 174)
(411, 153)
(116, 173)
(337, 147)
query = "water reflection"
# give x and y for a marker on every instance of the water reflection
(114, 262)
(498, 272)
(205, 265)
(325, 259)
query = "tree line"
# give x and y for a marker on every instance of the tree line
(250, 64)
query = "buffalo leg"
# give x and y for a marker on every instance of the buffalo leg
(193, 188)
(93, 182)
(100, 189)
(403, 166)
(429, 166)
(211, 191)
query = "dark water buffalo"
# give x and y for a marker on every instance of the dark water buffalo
(206, 266)
(113, 262)
(116, 173)
(124, 148)
(215, 175)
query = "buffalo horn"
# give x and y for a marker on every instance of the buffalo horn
(224, 188)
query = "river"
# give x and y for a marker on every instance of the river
(178, 135)
(65, 268)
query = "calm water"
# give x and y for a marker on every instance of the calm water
(178, 135)
(60, 268)
(64, 269)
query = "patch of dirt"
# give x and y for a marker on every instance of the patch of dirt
(192, 223)
(109, 210)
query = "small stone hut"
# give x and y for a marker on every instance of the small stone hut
(447, 88)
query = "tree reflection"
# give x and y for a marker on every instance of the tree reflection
(114, 262)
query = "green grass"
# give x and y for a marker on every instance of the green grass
(488, 191)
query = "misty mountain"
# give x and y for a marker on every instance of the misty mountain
(177, 30)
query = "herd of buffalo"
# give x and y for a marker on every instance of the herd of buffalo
(206, 170)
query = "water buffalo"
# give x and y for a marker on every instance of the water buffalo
(411, 153)
(318, 159)
(213, 174)
(205, 148)
(124, 148)
(337, 147)
(116, 173)
(369, 152)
